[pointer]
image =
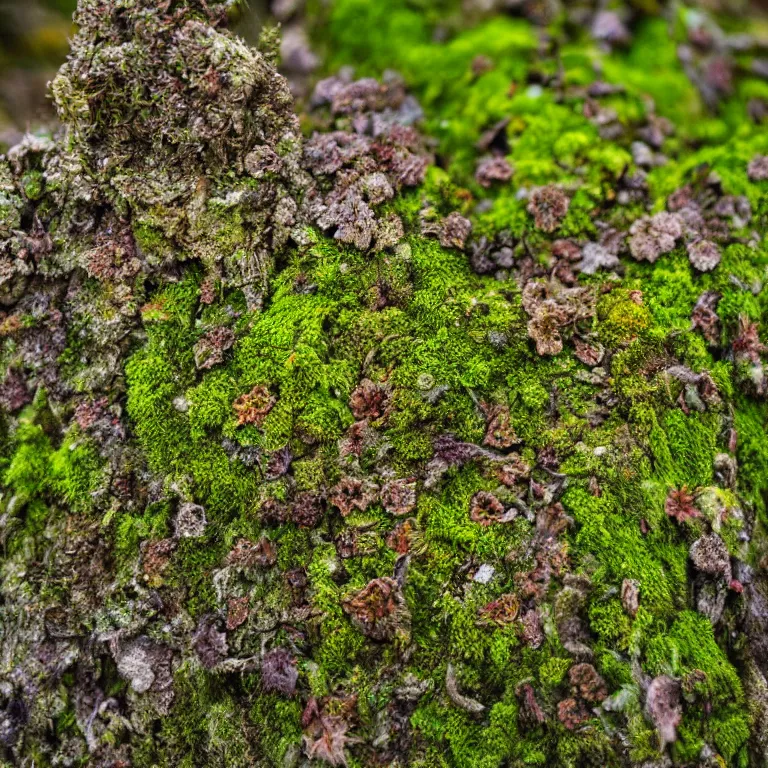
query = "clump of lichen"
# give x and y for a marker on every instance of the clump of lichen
(177, 124)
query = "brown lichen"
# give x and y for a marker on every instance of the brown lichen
(350, 494)
(237, 612)
(549, 206)
(705, 319)
(253, 407)
(493, 169)
(398, 497)
(210, 349)
(369, 400)
(587, 683)
(378, 610)
(246, 554)
(486, 509)
(454, 230)
(499, 433)
(572, 713)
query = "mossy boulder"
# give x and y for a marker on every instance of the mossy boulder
(409, 417)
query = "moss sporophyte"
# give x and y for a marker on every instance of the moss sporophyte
(402, 406)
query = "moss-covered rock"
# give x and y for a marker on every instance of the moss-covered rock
(419, 422)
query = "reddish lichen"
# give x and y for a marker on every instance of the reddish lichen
(500, 612)
(378, 610)
(680, 506)
(253, 407)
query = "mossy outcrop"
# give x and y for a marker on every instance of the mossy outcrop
(415, 420)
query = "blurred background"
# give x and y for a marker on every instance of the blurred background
(34, 41)
(34, 37)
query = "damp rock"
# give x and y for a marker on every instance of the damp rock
(190, 521)
(664, 707)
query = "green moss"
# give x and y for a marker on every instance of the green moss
(210, 403)
(75, 473)
(751, 421)
(26, 474)
(685, 446)
(650, 68)
(204, 724)
(33, 185)
(470, 744)
(616, 541)
(611, 623)
(277, 723)
(151, 240)
(730, 733)
(622, 318)
(131, 530)
(689, 645)
(69, 475)
(552, 671)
